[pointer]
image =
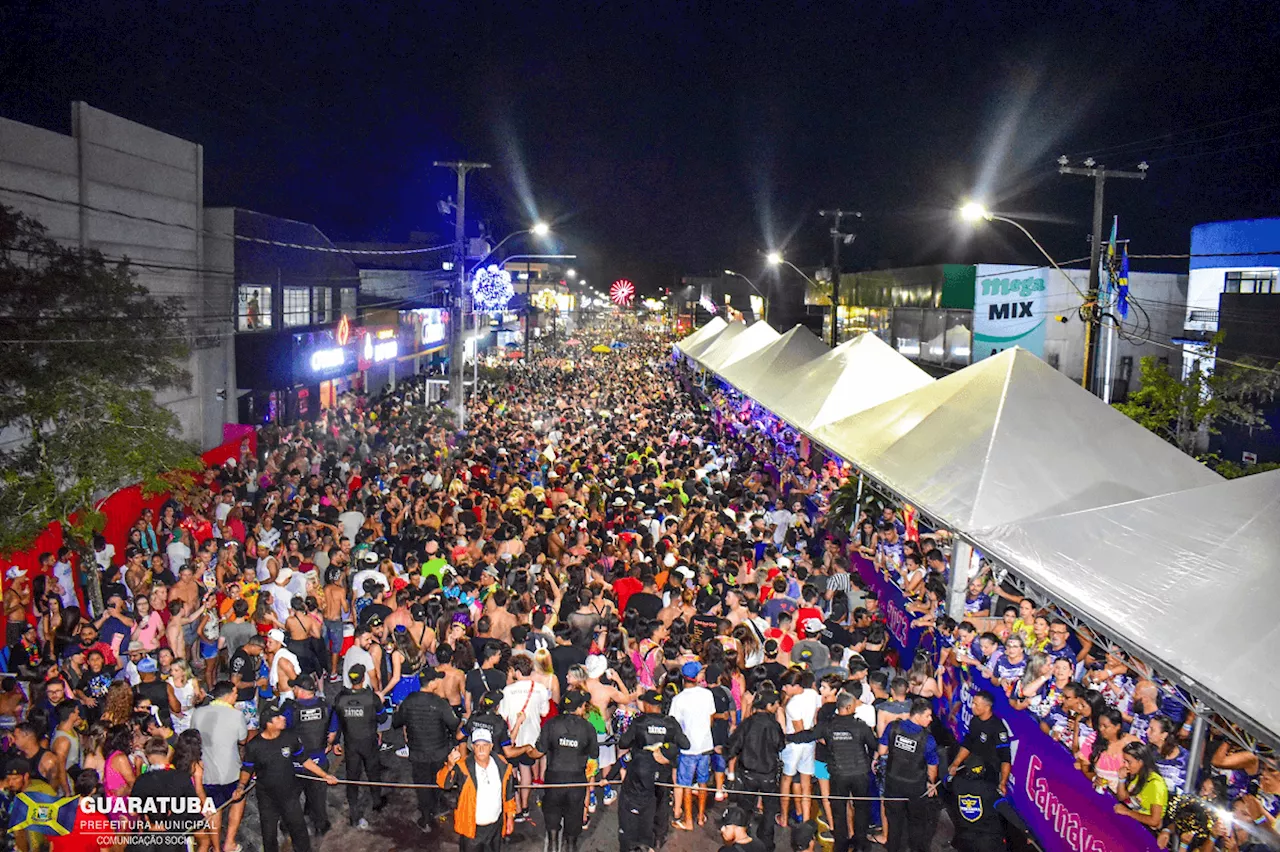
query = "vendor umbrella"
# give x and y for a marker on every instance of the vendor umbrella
(513, 345)
(515, 353)
(573, 341)
(602, 349)
(618, 344)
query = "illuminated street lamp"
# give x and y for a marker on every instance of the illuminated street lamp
(974, 212)
(763, 298)
(539, 229)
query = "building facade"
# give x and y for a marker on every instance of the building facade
(133, 191)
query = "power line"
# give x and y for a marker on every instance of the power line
(241, 237)
(1219, 151)
(1174, 133)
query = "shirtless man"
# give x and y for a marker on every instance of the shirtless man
(183, 624)
(500, 618)
(453, 684)
(334, 611)
(399, 617)
(16, 600)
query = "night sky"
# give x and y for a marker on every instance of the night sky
(664, 139)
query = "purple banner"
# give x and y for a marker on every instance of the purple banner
(893, 606)
(1057, 800)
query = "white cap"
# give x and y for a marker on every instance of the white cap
(15, 572)
(596, 665)
(685, 571)
(277, 634)
(813, 625)
(283, 576)
(481, 735)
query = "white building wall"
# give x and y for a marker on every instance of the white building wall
(129, 190)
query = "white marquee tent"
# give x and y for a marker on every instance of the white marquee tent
(856, 375)
(780, 361)
(700, 337)
(1007, 439)
(728, 350)
(1190, 578)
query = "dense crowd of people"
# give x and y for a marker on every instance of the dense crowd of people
(602, 593)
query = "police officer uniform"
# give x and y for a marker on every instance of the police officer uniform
(644, 807)
(568, 741)
(983, 812)
(356, 714)
(851, 746)
(309, 718)
(911, 751)
(430, 728)
(757, 744)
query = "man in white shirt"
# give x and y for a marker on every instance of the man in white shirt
(693, 708)
(268, 535)
(281, 594)
(351, 521)
(179, 552)
(801, 714)
(62, 573)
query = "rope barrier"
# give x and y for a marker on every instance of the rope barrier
(406, 785)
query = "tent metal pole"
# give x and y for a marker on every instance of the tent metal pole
(958, 584)
(1195, 749)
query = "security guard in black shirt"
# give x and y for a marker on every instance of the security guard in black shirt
(987, 740)
(430, 730)
(653, 742)
(356, 713)
(851, 748)
(272, 757)
(753, 753)
(567, 741)
(486, 718)
(985, 816)
(309, 717)
(911, 773)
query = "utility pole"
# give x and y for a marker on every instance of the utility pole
(1092, 334)
(457, 325)
(836, 239)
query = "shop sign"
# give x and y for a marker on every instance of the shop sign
(378, 346)
(1009, 309)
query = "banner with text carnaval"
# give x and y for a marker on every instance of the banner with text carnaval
(1058, 802)
(893, 606)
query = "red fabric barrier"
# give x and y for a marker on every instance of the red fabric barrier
(122, 510)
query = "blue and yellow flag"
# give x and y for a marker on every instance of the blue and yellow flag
(43, 813)
(1122, 292)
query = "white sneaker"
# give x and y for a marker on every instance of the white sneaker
(363, 824)
(403, 751)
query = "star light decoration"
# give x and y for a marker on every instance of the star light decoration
(491, 289)
(622, 293)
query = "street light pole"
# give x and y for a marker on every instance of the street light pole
(457, 330)
(1092, 336)
(836, 239)
(763, 298)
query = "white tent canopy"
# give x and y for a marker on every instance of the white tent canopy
(729, 350)
(1007, 439)
(856, 375)
(1190, 578)
(730, 331)
(707, 332)
(775, 363)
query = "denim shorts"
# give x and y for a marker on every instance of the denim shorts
(693, 769)
(718, 763)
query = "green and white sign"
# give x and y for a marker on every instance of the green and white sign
(1009, 309)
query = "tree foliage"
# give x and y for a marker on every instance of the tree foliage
(85, 350)
(1181, 410)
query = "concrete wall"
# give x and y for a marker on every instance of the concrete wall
(130, 190)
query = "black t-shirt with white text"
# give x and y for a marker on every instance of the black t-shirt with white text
(272, 762)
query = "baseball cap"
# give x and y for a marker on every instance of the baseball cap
(481, 735)
(803, 835)
(651, 696)
(691, 670)
(17, 766)
(306, 681)
(14, 573)
(276, 634)
(356, 673)
(572, 700)
(146, 665)
(284, 576)
(733, 815)
(813, 625)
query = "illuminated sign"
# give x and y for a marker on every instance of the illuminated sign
(377, 348)
(386, 333)
(327, 359)
(385, 351)
(344, 331)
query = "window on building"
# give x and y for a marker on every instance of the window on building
(1264, 281)
(322, 305)
(253, 307)
(347, 302)
(296, 305)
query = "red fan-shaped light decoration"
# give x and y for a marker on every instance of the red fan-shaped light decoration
(622, 293)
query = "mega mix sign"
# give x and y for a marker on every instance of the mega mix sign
(1009, 309)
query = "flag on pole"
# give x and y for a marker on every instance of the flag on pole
(1122, 292)
(1107, 267)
